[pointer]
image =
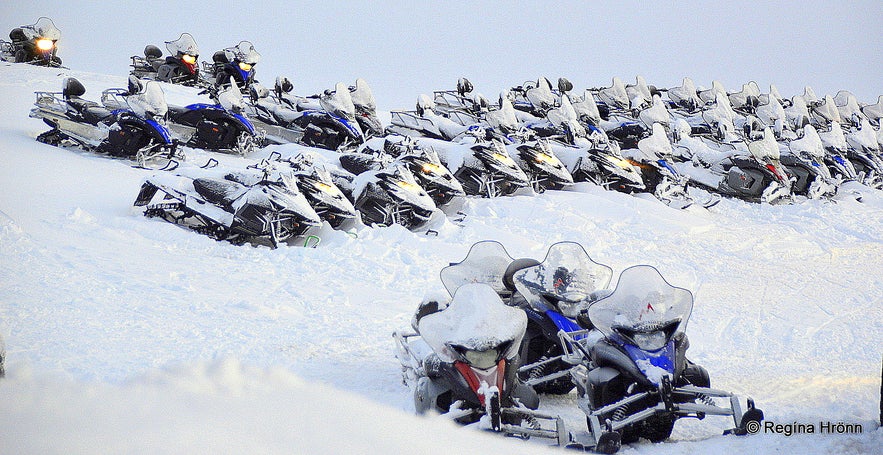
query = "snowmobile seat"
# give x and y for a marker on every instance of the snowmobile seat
(219, 192)
(220, 57)
(17, 35)
(152, 52)
(91, 111)
(514, 266)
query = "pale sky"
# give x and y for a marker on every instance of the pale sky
(404, 48)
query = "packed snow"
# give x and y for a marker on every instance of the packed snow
(127, 334)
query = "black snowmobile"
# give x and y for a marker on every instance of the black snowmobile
(180, 67)
(35, 44)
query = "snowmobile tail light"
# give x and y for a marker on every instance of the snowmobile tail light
(244, 66)
(189, 59)
(482, 359)
(45, 44)
(504, 159)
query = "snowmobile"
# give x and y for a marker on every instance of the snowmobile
(600, 161)
(555, 294)
(864, 153)
(180, 67)
(425, 122)
(36, 44)
(423, 162)
(317, 185)
(366, 109)
(134, 129)
(636, 381)
(2, 358)
(234, 63)
(543, 169)
(331, 123)
(661, 179)
(805, 163)
(239, 207)
(389, 196)
(220, 126)
(486, 170)
(460, 361)
(837, 150)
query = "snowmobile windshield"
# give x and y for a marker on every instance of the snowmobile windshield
(185, 45)
(362, 96)
(615, 95)
(656, 146)
(339, 102)
(765, 149)
(476, 320)
(231, 98)
(485, 263)
(586, 107)
(643, 310)
(245, 52)
(149, 102)
(657, 113)
(541, 96)
(45, 28)
(503, 118)
(810, 144)
(567, 277)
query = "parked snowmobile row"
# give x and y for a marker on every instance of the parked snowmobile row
(509, 328)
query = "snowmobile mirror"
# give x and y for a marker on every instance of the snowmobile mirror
(463, 86)
(564, 85)
(151, 51)
(72, 87)
(135, 85)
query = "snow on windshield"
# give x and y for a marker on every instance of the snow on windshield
(485, 263)
(151, 100)
(766, 147)
(244, 52)
(657, 145)
(339, 102)
(362, 95)
(642, 299)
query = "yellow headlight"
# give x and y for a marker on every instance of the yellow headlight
(45, 44)
(543, 158)
(244, 66)
(430, 168)
(189, 59)
(409, 186)
(333, 190)
(504, 158)
(621, 163)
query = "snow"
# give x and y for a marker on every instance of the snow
(128, 334)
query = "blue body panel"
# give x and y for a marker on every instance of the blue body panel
(663, 358)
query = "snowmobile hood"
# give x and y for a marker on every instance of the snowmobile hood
(567, 276)
(541, 156)
(477, 320)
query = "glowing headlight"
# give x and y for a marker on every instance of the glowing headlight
(430, 168)
(189, 59)
(413, 187)
(621, 163)
(244, 66)
(504, 159)
(482, 359)
(650, 341)
(330, 189)
(45, 44)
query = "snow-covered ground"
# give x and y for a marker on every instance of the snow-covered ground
(129, 334)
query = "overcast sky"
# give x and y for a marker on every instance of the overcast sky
(404, 48)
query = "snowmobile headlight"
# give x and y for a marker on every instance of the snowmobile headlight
(413, 187)
(244, 66)
(189, 59)
(650, 341)
(431, 168)
(506, 159)
(482, 359)
(619, 162)
(45, 44)
(330, 189)
(544, 158)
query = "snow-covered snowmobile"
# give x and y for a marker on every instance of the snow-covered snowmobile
(864, 153)
(366, 108)
(486, 169)
(636, 381)
(837, 150)
(317, 185)
(600, 161)
(328, 121)
(390, 196)
(555, 295)
(805, 162)
(36, 44)
(543, 168)
(661, 179)
(2, 357)
(233, 64)
(460, 361)
(425, 122)
(424, 163)
(239, 207)
(134, 129)
(180, 67)
(219, 126)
